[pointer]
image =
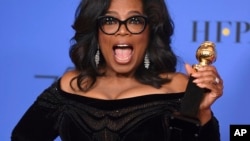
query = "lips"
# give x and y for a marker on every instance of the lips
(123, 53)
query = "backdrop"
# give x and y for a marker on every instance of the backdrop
(34, 37)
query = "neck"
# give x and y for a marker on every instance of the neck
(119, 75)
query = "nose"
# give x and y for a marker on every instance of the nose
(123, 30)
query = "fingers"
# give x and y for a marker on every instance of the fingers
(208, 77)
(206, 74)
(189, 69)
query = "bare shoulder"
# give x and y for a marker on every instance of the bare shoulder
(178, 82)
(178, 76)
(66, 80)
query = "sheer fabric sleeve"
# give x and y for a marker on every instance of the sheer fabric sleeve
(210, 131)
(189, 129)
(39, 121)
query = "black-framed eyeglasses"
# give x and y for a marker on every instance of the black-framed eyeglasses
(110, 25)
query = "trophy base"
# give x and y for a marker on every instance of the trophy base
(191, 101)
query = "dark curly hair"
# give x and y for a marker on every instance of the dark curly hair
(85, 42)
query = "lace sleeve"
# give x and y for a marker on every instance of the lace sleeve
(39, 121)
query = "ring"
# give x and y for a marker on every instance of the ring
(217, 80)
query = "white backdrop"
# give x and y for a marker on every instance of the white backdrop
(34, 37)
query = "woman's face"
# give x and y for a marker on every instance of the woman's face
(124, 51)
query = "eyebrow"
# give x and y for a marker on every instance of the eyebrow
(129, 13)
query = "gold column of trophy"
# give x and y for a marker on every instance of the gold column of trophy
(185, 125)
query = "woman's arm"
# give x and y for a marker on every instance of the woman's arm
(39, 121)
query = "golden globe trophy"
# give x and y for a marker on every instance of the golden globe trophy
(185, 125)
(206, 55)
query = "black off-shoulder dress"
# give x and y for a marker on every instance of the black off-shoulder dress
(78, 118)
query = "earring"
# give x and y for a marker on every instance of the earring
(146, 61)
(97, 57)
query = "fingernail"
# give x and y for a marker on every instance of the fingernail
(195, 80)
(199, 85)
(194, 74)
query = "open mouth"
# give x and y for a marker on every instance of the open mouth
(123, 53)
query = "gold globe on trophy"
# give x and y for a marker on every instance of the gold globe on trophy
(206, 54)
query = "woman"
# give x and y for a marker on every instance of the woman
(125, 85)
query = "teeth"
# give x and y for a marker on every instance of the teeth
(122, 45)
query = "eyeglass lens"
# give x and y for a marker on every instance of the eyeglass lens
(111, 25)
